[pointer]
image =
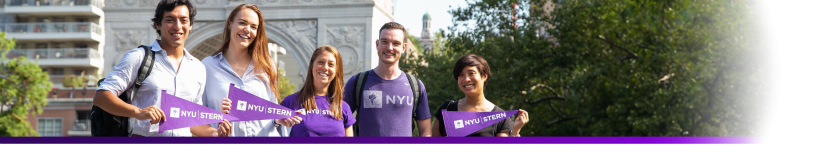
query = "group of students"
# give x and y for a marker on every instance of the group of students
(386, 105)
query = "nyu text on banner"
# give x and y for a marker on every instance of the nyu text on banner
(461, 124)
(247, 107)
(181, 113)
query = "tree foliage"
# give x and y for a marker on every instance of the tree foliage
(609, 68)
(23, 90)
(285, 88)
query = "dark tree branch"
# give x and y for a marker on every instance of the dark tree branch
(555, 110)
(562, 119)
(630, 55)
(543, 86)
(544, 99)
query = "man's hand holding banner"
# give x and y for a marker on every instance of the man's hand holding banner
(461, 124)
(182, 113)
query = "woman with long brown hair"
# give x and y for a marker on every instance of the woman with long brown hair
(244, 60)
(322, 98)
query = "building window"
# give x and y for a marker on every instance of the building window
(58, 71)
(50, 127)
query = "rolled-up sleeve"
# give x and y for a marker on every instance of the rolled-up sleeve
(124, 73)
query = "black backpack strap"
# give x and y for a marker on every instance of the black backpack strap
(360, 80)
(145, 66)
(106, 124)
(453, 106)
(416, 96)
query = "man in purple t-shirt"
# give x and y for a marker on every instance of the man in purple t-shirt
(387, 99)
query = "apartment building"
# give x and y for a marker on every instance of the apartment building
(65, 37)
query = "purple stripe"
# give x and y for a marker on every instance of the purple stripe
(377, 140)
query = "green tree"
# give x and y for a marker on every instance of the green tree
(285, 88)
(23, 90)
(414, 42)
(72, 81)
(609, 68)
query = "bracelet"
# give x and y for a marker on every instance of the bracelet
(511, 134)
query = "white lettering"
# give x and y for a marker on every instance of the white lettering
(188, 113)
(390, 98)
(211, 116)
(401, 99)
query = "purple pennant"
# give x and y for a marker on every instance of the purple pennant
(181, 113)
(247, 107)
(461, 124)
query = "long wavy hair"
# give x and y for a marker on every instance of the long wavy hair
(335, 92)
(265, 67)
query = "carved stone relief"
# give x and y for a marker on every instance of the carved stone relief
(317, 1)
(125, 41)
(347, 39)
(149, 3)
(303, 32)
(211, 2)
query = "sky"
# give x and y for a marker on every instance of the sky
(410, 12)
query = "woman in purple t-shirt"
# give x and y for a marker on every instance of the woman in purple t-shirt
(472, 72)
(321, 98)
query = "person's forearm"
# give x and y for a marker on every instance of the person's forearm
(204, 131)
(424, 128)
(109, 102)
(436, 132)
(348, 132)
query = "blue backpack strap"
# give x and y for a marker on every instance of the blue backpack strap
(360, 80)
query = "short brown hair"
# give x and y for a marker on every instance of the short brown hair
(472, 60)
(393, 25)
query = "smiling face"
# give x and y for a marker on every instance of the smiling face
(323, 69)
(174, 27)
(244, 28)
(471, 81)
(390, 45)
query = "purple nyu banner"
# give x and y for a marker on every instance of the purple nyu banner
(181, 113)
(461, 124)
(248, 107)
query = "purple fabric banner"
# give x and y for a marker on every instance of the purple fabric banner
(181, 113)
(248, 107)
(461, 124)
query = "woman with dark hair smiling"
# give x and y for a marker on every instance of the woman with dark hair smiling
(472, 73)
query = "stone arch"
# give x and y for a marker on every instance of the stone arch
(297, 37)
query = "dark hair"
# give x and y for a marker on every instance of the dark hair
(472, 60)
(393, 25)
(169, 5)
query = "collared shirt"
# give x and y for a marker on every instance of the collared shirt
(219, 75)
(187, 83)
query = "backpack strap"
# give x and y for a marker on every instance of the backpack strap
(416, 96)
(360, 80)
(144, 70)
